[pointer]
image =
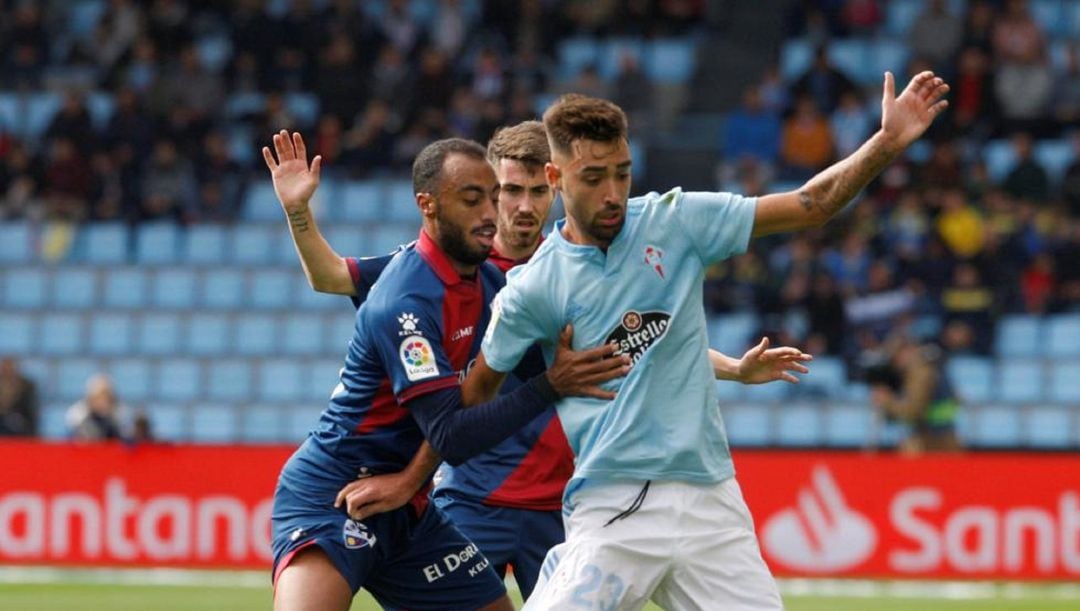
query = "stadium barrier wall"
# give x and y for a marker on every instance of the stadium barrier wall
(836, 514)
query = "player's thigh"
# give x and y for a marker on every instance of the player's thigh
(605, 564)
(493, 529)
(719, 563)
(538, 532)
(311, 582)
(439, 569)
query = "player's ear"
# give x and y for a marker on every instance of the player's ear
(426, 203)
(553, 175)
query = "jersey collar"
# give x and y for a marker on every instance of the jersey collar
(505, 263)
(437, 259)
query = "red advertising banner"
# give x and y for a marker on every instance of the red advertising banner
(987, 516)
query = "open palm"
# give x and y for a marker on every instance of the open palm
(294, 181)
(905, 118)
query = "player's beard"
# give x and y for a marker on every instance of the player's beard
(519, 238)
(454, 241)
(604, 233)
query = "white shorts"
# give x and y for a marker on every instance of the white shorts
(686, 547)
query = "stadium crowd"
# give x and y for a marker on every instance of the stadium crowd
(192, 89)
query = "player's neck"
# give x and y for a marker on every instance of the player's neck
(575, 235)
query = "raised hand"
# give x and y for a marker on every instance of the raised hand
(905, 118)
(761, 364)
(580, 374)
(294, 181)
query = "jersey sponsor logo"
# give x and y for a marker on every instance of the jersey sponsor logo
(821, 534)
(408, 324)
(357, 536)
(637, 332)
(418, 358)
(456, 560)
(462, 333)
(654, 259)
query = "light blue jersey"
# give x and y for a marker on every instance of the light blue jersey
(646, 295)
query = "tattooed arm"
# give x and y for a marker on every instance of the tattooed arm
(295, 183)
(903, 120)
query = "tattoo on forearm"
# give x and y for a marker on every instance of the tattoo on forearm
(299, 220)
(834, 188)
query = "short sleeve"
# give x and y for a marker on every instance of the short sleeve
(719, 224)
(516, 324)
(365, 273)
(408, 341)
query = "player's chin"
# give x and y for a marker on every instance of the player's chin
(608, 230)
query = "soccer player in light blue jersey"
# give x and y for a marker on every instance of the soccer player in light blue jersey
(653, 510)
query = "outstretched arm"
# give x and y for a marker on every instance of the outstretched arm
(903, 120)
(294, 183)
(761, 364)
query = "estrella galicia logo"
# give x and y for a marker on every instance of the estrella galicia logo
(357, 535)
(637, 332)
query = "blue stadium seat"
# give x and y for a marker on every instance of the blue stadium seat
(241, 143)
(256, 335)
(349, 241)
(214, 52)
(996, 426)
(179, 379)
(9, 112)
(37, 112)
(83, 16)
(158, 334)
(229, 380)
(795, 58)
(848, 425)
(214, 423)
(827, 378)
(132, 379)
(204, 245)
(339, 331)
(799, 424)
(747, 425)
(15, 242)
(612, 51)
(253, 244)
(223, 289)
(125, 288)
(1018, 335)
(260, 202)
(71, 377)
(1055, 156)
(169, 421)
(209, 335)
(849, 55)
(731, 333)
(1000, 159)
(157, 243)
(17, 333)
(303, 335)
(361, 201)
(385, 238)
(74, 288)
(1072, 20)
(173, 288)
(272, 289)
(401, 203)
(39, 370)
(1065, 382)
(900, 15)
(280, 381)
(304, 107)
(104, 243)
(110, 334)
(670, 60)
(891, 55)
(575, 54)
(52, 422)
(1062, 332)
(1050, 427)
(312, 301)
(321, 378)
(299, 420)
(24, 288)
(856, 392)
(1049, 14)
(1020, 381)
(261, 424)
(61, 334)
(972, 378)
(100, 105)
(244, 103)
(729, 391)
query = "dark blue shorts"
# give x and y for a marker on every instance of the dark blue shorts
(519, 538)
(405, 561)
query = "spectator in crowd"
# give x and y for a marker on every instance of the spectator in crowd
(1028, 179)
(823, 82)
(974, 107)
(18, 401)
(806, 142)
(169, 190)
(99, 415)
(850, 124)
(936, 35)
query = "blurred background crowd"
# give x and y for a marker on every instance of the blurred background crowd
(139, 122)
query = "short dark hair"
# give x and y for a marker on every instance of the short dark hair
(525, 142)
(427, 169)
(575, 116)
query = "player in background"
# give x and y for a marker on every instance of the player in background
(653, 510)
(507, 500)
(401, 384)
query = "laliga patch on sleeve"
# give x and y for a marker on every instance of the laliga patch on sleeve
(418, 358)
